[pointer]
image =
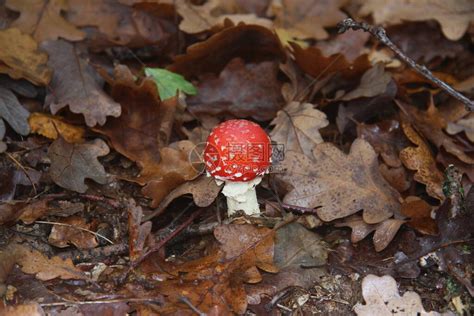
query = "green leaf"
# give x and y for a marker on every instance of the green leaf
(169, 82)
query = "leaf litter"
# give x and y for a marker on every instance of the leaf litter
(105, 206)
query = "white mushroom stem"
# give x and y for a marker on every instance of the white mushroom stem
(241, 196)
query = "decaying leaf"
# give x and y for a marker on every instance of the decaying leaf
(243, 90)
(199, 18)
(373, 82)
(138, 232)
(13, 112)
(339, 185)
(71, 164)
(250, 42)
(382, 298)
(62, 236)
(20, 57)
(30, 309)
(49, 126)
(465, 125)
(454, 17)
(77, 85)
(397, 177)
(307, 18)
(420, 216)
(43, 20)
(297, 127)
(422, 161)
(34, 262)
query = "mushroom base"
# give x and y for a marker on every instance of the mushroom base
(241, 196)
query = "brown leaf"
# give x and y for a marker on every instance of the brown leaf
(338, 184)
(243, 90)
(360, 229)
(62, 236)
(307, 18)
(297, 127)
(33, 262)
(28, 309)
(71, 164)
(173, 169)
(20, 57)
(419, 213)
(397, 177)
(76, 84)
(453, 17)
(351, 44)
(32, 211)
(422, 161)
(430, 124)
(387, 139)
(313, 62)
(136, 132)
(137, 232)
(385, 232)
(200, 18)
(13, 112)
(465, 125)
(250, 42)
(373, 82)
(203, 189)
(49, 126)
(43, 20)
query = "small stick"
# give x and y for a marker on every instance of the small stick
(186, 301)
(76, 227)
(380, 34)
(117, 300)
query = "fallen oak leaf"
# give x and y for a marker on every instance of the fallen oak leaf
(339, 185)
(373, 82)
(13, 112)
(43, 20)
(20, 58)
(52, 127)
(77, 85)
(419, 213)
(71, 164)
(138, 232)
(421, 160)
(242, 90)
(297, 126)
(465, 125)
(62, 236)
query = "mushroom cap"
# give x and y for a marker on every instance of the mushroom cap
(237, 150)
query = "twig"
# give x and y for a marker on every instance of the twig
(186, 301)
(380, 34)
(24, 171)
(118, 300)
(79, 228)
(96, 254)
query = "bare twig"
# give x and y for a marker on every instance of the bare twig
(186, 301)
(118, 300)
(380, 34)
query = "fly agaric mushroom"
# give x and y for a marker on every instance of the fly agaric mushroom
(238, 152)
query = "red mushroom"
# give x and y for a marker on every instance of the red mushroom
(238, 152)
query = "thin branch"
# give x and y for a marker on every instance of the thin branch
(380, 34)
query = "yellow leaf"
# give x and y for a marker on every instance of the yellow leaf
(49, 126)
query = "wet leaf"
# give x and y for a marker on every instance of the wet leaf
(49, 126)
(422, 161)
(454, 17)
(77, 85)
(62, 236)
(242, 90)
(43, 19)
(170, 83)
(71, 164)
(339, 185)
(21, 58)
(297, 127)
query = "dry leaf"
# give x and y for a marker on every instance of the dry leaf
(454, 17)
(62, 236)
(43, 20)
(422, 161)
(77, 85)
(465, 125)
(13, 112)
(49, 126)
(339, 185)
(382, 298)
(29, 309)
(138, 232)
(397, 177)
(71, 164)
(243, 90)
(419, 213)
(249, 42)
(199, 18)
(297, 127)
(307, 18)
(373, 82)
(20, 57)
